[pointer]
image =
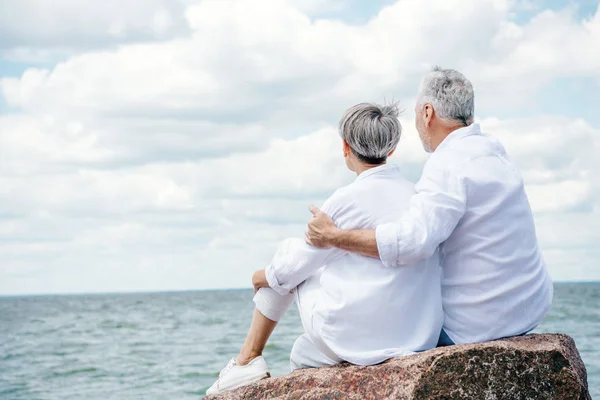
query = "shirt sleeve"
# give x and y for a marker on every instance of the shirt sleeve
(295, 260)
(435, 210)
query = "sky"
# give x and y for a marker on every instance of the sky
(172, 144)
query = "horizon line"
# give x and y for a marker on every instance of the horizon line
(186, 291)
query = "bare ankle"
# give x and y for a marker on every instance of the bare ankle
(244, 358)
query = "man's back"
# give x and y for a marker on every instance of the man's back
(494, 279)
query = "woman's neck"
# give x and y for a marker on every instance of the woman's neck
(360, 167)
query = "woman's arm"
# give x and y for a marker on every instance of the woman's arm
(294, 262)
(259, 280)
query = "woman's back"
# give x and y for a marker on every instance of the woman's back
(399, 309)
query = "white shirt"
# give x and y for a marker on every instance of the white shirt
(471, 203)
(369, 313)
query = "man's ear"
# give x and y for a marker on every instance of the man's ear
(392, 152)
(428, 112)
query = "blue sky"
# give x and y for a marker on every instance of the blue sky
(170, 145)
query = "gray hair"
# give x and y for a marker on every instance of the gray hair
(450, 93)
(372, 131)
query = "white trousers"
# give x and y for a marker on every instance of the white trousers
(309, 350)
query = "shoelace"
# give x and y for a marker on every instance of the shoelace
(225, 370)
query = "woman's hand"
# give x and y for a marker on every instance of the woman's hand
(259, 280)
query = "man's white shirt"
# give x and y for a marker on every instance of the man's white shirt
(471, 202)
(367, 312)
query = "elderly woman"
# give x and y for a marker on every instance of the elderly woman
(352, 307)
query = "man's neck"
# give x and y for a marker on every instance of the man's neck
(443, 132)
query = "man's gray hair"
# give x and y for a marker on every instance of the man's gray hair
(450, 93)
(372, 131)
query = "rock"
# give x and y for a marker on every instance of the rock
(531, 367)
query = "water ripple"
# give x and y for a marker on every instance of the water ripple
(172, 345)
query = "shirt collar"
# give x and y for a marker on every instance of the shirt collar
(376, 170)
(472, 129)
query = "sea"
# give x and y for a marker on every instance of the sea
(172, 345)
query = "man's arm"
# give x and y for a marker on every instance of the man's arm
(436, 209)
(322, 232)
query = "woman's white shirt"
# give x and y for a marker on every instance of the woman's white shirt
(369, 312)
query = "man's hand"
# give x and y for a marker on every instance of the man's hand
(259, 280)
(321, 229)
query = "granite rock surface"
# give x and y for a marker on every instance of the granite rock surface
(531, 367)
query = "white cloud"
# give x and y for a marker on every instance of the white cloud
(560, 196)
(179, 162)
(188, 217)
(77, 24)
(232, 63)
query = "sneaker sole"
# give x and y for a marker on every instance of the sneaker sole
(268, 375)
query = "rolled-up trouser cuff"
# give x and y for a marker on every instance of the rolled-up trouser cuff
(271, 304)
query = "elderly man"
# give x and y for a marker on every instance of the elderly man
(352, 307)
(470, 203)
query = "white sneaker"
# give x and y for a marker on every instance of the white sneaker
(234, 376)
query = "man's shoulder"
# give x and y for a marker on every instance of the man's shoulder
(466, 151)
